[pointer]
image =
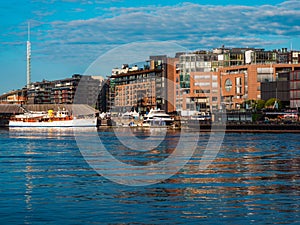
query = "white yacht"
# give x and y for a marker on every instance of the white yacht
(158, 117)
(51, 119)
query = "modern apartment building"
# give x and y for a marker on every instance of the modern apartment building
(227, 76)
(59, 92)
(139, 89)
(294, 57)
(295, 89)
(199, 81)
(14, 97)
(279, 89)
(64, 91)
(204, 94)
(240, 83)
(40, 92)
(173, 86)
(142, 88)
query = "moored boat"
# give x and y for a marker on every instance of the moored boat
(157, 117)
(60, 118)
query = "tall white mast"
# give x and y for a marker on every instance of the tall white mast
(28, 58)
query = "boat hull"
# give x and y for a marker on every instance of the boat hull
(89, 122)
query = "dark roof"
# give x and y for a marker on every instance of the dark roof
(77, 109)
(10, 108)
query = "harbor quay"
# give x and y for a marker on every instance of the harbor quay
(229, 121)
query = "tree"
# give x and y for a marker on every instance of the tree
(260, 104)
(254, 104)
(271, 103)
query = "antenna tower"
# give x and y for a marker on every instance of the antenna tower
(28, 58)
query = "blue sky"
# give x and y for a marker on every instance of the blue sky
(67, 36)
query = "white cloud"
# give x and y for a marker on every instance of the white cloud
(41, 13)
(194, 26)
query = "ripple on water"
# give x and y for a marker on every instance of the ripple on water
(44, 179)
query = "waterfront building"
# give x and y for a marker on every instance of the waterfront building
(204, 92)
(295, 88)
(64, 90)
(135, 89)
(40, 92)
(14, 97)
(199, 83)
(204, 80)
(172, 86)
(295, 57)
(58, 92)
(241, 83)
(279, 89)
(142, 89)
(102, 103)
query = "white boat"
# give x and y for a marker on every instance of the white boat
(201, 116)
(157, 117)
(130, 115)
(52, 119)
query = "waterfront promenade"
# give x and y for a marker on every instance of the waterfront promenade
(6, 111)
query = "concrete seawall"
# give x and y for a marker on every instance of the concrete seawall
(248, 127)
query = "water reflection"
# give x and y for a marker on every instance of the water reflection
(254, 180)
(50, 132)
(249, 178)
(148, 147)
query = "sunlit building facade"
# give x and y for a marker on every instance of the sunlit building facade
(295, 89)
(241, 83)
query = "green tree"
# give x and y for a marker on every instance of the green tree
(255, 104)
(260, 104)
(271, 103)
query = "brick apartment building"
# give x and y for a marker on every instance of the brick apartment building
(141, 88)
(198, 82)
(240, 83)
(202, 81)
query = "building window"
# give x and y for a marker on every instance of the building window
(214, 84)
(202, 84)
(214, 99)
(228, 84)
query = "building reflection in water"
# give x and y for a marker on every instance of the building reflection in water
(250, 177)
(245, 179)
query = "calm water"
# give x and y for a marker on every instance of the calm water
(45, 179)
